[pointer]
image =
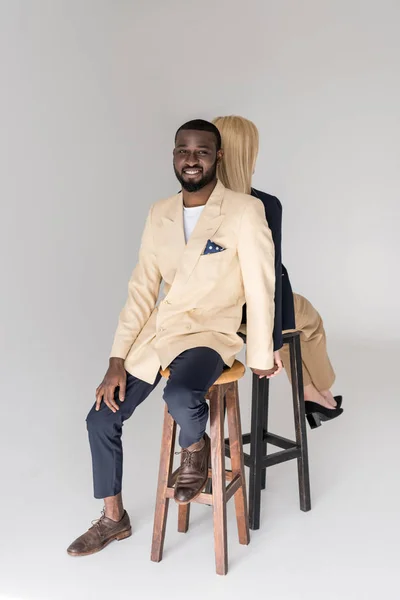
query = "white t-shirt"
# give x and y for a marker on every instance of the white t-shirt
(190, 218)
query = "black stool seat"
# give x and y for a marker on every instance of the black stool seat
(258, 460)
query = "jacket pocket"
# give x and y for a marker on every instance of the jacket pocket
(213, 266)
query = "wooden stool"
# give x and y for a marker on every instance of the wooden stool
(225, 390)
(258, 460)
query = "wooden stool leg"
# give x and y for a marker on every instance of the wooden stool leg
(236, 448)
(256, 450)
(218, 478)
(208, 488)
(183, 517)
(164, 474)
(300, 423)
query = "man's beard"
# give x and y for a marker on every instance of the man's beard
(195, 186)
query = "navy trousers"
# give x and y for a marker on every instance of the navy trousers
(192, 373)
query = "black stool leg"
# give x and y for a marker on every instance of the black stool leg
(259, 390)
(300, 422)
(265, 408)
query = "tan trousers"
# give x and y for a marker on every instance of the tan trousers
(317, 368)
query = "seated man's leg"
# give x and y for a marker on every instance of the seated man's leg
(318, 374)
(192, 373)
(105, 431)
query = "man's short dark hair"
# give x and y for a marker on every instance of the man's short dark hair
(201, 125)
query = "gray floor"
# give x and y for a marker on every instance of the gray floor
(345, 548)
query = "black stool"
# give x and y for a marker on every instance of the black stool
(258, 460)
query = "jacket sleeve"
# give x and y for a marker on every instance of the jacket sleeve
(143, 290)
(257, 256)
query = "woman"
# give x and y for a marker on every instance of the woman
(292, 312)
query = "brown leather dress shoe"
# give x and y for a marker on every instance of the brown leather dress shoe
(102, 532)
(193, 473)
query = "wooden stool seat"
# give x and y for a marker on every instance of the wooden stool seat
(223, 393)
(234, 373)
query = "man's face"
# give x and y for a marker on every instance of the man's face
(195, 159)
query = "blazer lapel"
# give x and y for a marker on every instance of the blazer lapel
(184, 257)
(208, 223)
(173, 233)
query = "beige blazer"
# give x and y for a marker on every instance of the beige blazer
(203, 294)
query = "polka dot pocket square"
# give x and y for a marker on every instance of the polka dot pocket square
(212, 248)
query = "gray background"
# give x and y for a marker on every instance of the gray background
(92, 92)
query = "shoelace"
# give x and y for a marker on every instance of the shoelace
(98, 522)
(187, 456)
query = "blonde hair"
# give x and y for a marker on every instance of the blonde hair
(240, 146)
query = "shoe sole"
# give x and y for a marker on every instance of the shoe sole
(122, 535)
(315, 419)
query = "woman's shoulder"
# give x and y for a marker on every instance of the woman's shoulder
(272, 206)
(267, 199)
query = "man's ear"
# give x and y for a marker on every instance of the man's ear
(220, 155)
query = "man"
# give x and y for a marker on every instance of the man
(213, 250)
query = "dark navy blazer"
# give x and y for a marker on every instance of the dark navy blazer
(284, 307)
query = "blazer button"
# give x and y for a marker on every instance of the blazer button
(188, 327)
(167, 302)
(162, 329)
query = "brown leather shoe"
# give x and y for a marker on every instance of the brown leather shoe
(102, 532)
(193, 473)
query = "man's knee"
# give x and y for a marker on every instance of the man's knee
(182, 401)
(177, 394)
(103, 421)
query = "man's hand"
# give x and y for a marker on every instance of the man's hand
(115, 377)
(269, 373)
